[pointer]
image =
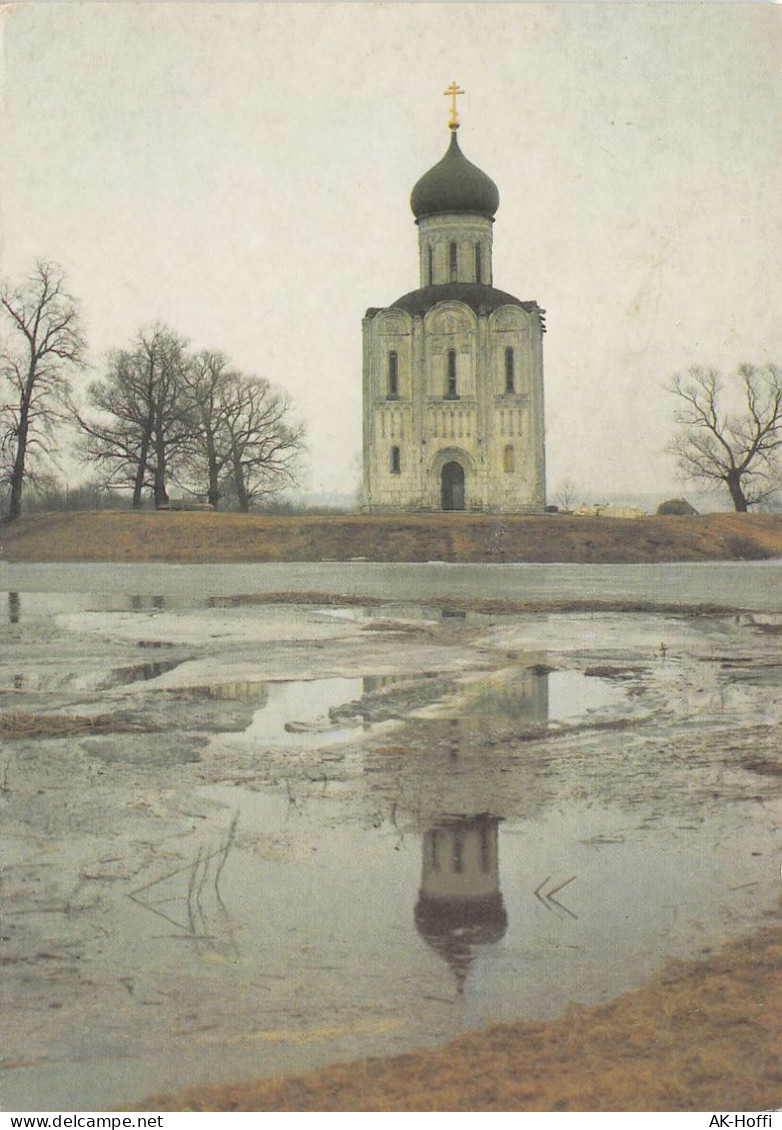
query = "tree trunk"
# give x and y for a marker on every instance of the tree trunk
(17, 474)
(241, 489)
(213, 490)
(737, 495)
(141, 470)
(160, 492)
(213, 494)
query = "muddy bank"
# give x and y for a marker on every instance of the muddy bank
(214, 537)
(702, 1036)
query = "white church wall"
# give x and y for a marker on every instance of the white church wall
(467, 385)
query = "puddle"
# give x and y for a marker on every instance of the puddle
(538, 698)
(572, 695)
(313, 937)
(296, 713)
(27, 607)
(516, 916)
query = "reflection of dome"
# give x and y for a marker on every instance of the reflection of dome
(454, 185)
(453, 926)
(460, 905)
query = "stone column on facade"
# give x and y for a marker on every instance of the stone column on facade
(538, 420)
(483, 409)
(369, 411)
(420, 409)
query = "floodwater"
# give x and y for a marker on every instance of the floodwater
(748, 585)
(309, 833)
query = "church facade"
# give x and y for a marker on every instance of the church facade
(453, 371)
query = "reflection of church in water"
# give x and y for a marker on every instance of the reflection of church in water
(453, 371)
(456, 799)
(460, 904)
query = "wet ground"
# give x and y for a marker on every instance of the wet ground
(311, 833)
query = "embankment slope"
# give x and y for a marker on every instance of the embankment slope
(208, 537)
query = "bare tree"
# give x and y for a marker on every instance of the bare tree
(162, 413)
(737, 448)
(207, 381)
(143, 414)
(44, 346)
(264, 442)
(566, 493)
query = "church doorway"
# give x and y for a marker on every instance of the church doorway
(452, 486)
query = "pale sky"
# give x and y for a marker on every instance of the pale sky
(242, 172)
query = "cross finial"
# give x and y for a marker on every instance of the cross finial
(453, 90)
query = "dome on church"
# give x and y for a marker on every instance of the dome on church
(454, 185)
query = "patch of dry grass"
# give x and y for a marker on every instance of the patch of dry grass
(702, 1036)
(19, 724)
(472, 604)
(195, 536)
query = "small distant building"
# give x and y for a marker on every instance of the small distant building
(608, 510)
(676, 506)
(453, 371)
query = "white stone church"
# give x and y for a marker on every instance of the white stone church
(453, 371)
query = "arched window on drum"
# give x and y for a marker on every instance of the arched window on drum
(510, 369)
(450, 387)
(453, 263)
(393, 375)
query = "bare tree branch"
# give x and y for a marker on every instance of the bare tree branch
(45, 344)
(739, 449)
(162, 413)
(139, 415)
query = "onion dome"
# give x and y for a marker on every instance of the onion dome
(455, 185)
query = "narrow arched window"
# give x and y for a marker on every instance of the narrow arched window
(508, 459)
(458, 853)
(451, 389)
(396, 461)
(478, 263)
(485, 848)
(393, 374)
(430, 266)
(452, 262)
(510, 370)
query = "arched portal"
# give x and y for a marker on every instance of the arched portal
(452, 486)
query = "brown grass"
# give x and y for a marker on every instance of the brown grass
(183, 536)
(486, 607)
(17, 724)
(702, 1036)
(20, 724)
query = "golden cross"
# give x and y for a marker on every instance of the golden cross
(453, 90)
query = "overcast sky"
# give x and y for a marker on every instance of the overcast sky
(242, 172)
